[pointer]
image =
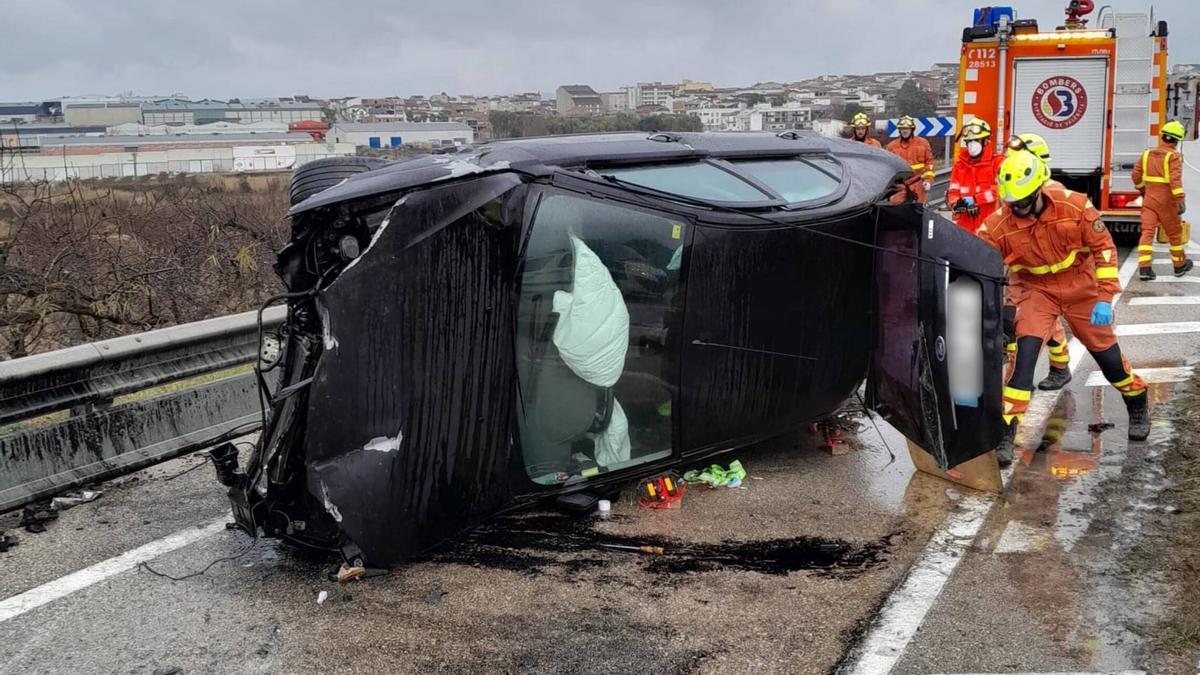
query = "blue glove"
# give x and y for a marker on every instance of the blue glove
(969, 200)
(1102, 314)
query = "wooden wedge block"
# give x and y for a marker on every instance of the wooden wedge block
(981, 473)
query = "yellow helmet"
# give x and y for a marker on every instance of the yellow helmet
(1021, 174)
(1032, 143)
(860, 120)
(1173, 130)
(906, 122)
(976, 130)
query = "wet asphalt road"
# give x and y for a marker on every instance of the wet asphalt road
(1039, 590)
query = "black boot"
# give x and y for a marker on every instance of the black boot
(1007, 447)
(1056, 379)
(1147, 274)
(1139, 416)
(1184, 268)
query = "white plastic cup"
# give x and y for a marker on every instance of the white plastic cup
(604, 507)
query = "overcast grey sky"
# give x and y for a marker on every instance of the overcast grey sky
(221, 48)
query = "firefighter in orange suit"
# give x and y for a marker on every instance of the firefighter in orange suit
(1054, 240)
(860, 130)
(972, 189)
(1159, 177)
(1059, 374)
(916, 151)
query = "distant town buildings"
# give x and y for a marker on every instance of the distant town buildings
(573, 100)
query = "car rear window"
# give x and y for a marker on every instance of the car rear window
(795, 180)
(699, 180)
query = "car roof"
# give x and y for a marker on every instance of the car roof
(545, 155)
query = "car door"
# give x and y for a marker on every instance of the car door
(936, 371)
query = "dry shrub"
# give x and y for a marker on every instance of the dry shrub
(87, 260)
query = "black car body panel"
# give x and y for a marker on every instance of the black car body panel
(470, 333)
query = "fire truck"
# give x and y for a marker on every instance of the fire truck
(1097, 94)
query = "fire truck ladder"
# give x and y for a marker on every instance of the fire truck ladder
(1134, 96)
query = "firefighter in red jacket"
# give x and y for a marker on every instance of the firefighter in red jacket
(1054, 240)
(1159, 177)
(972, 189)
(916, 152)
(860, 130)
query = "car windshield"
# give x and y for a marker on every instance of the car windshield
(795, 180)
(792, 180)
(699, 180)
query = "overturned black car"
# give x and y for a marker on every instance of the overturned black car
(545, 317)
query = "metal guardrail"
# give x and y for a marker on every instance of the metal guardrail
(100, 437)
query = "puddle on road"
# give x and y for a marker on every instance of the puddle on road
(534, 543)
(1079, 499)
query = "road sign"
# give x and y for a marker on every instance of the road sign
(927, 126)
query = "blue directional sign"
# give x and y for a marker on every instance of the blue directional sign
(928, 126)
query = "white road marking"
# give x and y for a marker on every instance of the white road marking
(1164, 279)
(1136, 329)
(1167, 300)
(1063, 672)
(1022, 537)
(1150, 375)
(88, 576)
(905, 609)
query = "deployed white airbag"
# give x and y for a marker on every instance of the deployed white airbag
(592, 334)
(612, 445)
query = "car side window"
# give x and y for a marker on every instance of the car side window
(595, 342)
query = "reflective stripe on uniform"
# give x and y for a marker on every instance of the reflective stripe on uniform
(1060, 358)
(1178, 192)
(1053, 268)
(1146, 177)
(1017, 394)
(1106, 272)
(1145, 253)
(1125, 382)
(918, 167)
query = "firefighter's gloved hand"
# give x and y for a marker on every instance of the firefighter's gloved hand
(927, 185)
(1102, 314)
(1182, 207)
(961, 206)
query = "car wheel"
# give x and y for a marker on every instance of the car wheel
(322, 174)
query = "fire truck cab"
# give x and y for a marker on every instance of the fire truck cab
(1096, 94)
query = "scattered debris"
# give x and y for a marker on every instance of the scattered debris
(661, 492)
(953, 495)
(73, 499)
(35, 516)
(171, 670)
(7, 541)
(715, 476)
(833, 430)
(348, 573)
(604, 508)
(322, 597)
(1100, 427)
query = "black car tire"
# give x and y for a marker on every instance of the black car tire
(322, 174)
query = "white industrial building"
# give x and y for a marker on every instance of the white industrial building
(119, 156)
(135, 129)
(718, 119)
(397, 134)
(183, 111)
(766, 117)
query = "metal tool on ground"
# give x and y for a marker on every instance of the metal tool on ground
(644, 550)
